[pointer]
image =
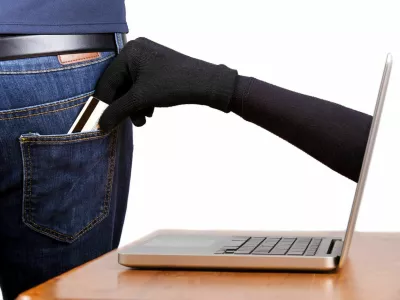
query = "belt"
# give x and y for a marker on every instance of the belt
(23, 46)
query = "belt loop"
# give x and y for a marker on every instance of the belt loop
(119, 40)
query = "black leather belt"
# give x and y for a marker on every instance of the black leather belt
(23, 46)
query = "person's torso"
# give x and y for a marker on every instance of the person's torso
(62, 16)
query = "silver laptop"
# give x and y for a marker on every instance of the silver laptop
(222, 250)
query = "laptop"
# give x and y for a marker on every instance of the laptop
(216, 250)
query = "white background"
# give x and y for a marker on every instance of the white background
(198, 168)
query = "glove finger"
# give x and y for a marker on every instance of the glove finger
(115, 81)
(149, 112)
(138, 121)
(119, 110)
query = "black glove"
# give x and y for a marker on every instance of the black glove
(146, 75)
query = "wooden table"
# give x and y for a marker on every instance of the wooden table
(371, 272)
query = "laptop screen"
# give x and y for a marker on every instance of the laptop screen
(367, 158)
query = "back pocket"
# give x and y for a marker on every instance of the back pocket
(67, 182)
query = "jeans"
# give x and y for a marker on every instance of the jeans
(63, 197)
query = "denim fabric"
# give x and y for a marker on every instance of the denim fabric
(63, 196)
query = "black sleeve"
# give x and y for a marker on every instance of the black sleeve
(332, 134)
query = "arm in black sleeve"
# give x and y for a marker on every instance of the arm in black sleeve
(152, 75)
(332, 134)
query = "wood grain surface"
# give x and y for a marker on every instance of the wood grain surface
(372, 271)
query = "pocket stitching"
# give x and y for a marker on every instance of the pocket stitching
(12, 111)
(42, 113)
(28, 184)
(28, 220)
(64, 142)
(59, 137)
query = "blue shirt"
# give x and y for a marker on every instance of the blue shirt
(62, 16)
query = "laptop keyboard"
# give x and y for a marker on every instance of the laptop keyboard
(271, 246)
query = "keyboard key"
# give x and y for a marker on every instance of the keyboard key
(316, 241)
(254, 241)
(314, 244)
(229, 248)
(302, 242)
(299, 253)
(278, 252)
(260, 253)
(265, 248)
(246, 249)
(299, 246)
(251, 244)
(245, 246)
(271, 241)
(268, 244)
(284, 245)
(243, 252)
(257, 239)
(313, 247)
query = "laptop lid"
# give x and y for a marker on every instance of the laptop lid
(366, 160)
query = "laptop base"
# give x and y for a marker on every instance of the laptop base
(207, 251)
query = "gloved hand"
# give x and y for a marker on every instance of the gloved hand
(146, 75)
